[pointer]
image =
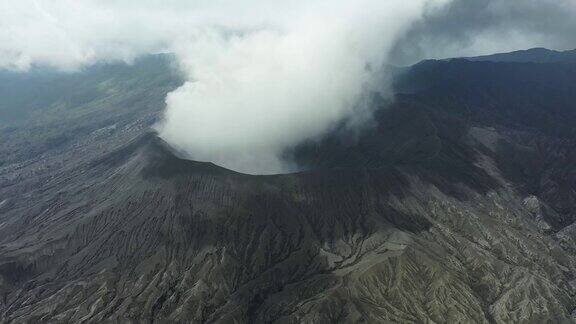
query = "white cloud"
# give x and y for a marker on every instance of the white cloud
(254, 94)
(263, 75)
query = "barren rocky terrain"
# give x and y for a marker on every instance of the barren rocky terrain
(456, 205)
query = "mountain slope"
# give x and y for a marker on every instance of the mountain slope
(454, 207)
(44, 111)
(167, 238)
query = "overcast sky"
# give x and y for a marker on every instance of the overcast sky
(478, 27)
(71, 33)
(264, 75)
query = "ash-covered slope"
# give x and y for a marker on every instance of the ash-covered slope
(159, 238)
(441, 213)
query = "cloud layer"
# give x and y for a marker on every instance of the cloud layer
(264, 75)
(254, 94)
(478, 27)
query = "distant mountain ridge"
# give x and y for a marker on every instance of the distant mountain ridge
(533, 55)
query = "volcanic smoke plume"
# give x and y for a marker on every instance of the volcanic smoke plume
(264, 75)
(253, 94)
